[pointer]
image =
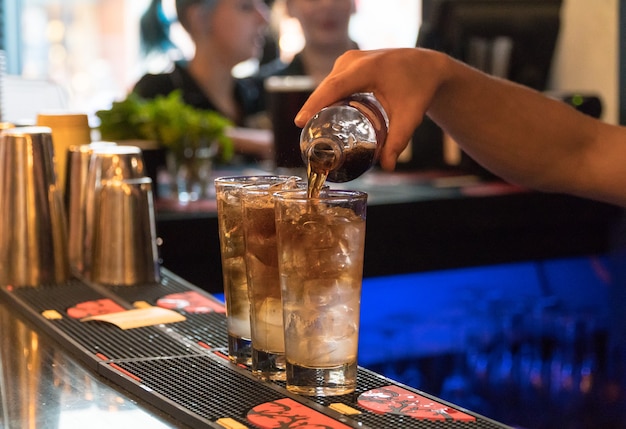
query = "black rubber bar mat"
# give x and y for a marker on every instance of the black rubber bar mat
(182, 367)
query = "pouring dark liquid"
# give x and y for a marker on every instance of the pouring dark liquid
(342, 141)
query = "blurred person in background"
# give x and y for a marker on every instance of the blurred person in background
(325, 28)
(224, 33)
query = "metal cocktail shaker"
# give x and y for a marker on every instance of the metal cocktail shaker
(106, 163)
(33, 236)
(78, 159)
(124, 235)
(112, 234)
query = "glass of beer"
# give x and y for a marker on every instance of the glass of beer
(320, 245)
(266, 311)
(232, 247)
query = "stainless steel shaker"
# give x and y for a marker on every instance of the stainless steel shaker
(33, 235)
(124, 236)
(78, 159)
(106, 164)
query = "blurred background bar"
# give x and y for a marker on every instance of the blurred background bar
(505, 301)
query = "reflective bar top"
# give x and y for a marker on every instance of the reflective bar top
(43, 386)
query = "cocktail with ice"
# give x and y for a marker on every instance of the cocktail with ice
(266, 317)
(232, 247)
(320, 245)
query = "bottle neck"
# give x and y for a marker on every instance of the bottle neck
(324, 154)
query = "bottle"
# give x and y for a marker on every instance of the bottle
(342, 141)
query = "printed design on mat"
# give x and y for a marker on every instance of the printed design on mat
(192, 302)
(94, 308)
(289, 414)
(396, 400)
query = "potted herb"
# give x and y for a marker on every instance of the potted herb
(192, 138)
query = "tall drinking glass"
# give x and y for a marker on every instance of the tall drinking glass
(266, 311)
(320, 245)
(232, 247)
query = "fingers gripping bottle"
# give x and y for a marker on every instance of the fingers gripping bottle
(342, 141)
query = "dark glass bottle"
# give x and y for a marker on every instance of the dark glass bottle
(344, 140)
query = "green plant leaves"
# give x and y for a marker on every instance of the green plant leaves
(168, 120)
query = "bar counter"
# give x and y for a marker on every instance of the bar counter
(57, 371)
(416, 222)
(42, 385)
(60, 371)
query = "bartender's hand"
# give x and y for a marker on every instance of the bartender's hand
(404, 81)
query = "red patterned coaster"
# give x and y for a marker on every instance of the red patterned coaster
(192, 302)
(289, 414)
(396, 400)
(94, 308)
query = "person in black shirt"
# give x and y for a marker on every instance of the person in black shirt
(224, 33)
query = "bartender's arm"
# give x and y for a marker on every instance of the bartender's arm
(516, 132)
